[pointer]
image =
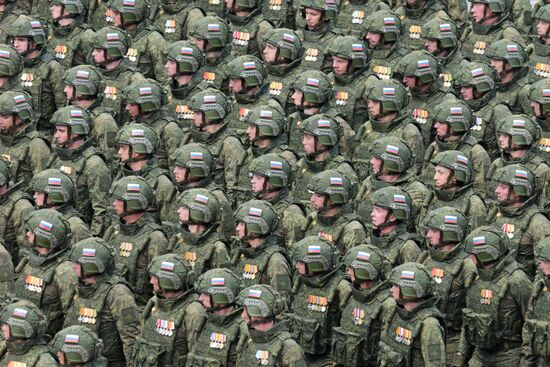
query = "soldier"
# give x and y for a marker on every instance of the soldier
(173, 18)
(321, 145)
(540, 103)
(41, 76)
(259, 257)
(392, 164)
(173, 317)
(97, 14)
(148, 44)
(75, 156)
(382, 34)
(363, 314)
(334, 217)
(11, 64)
(267, 340)
(414, 334)
(8, 274)
(20, 143)
(110, 45)
(389, 219)
(218, 290)
(282, 53)
(23, 328)
(53, 189)
(194, 167)
(77, 345)
(508, 59)
(271, 179)
(314, 20)
(184, 67)
(453, 186)
(496, 303)
(539, 67)
(69, 41)
(135, 235)
(453, 120)
(15, 205)
(387, 102)
(318, 295)
(535, 328)
(210, 108)
(45, 278)
(488, 24)
(144, 100)
(453, 272)
(8, 13)
(420, 73)
(212, 36)
(137, 146)
(248, 26)
(197, 238)
(83, 91)
(414, 14)
(103, 301)
(517, 212)
(353, 16)
(350, 60)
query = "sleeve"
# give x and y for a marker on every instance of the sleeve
(481, 162)
(21, 210)
(39, 152)
(7, 273)
(66, 283)
(432, 343)
(527, 357)
(538, 229)
(409, 252)
(413, 137)
(46, 360)
(195, 317)
(56, 82)
(354, 235)
(104, 134)
(520, 289)
(125, 312)
(293, 220)
(172, 136)
(279, 275)
(158, 245)
(292, 354)
(477, 212)
(220, 257)
(98, 179)
(231, 155)
(157, 45)
(165, 192)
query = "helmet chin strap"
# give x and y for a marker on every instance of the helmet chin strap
(387, 222)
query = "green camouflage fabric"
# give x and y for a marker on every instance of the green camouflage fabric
(315, 42)
(539, 68)
(352, 15)
(248, 31)
(173, 19)
(457, 10)
(70, 45)
(86, 347)
(6, 280)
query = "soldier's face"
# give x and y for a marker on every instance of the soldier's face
(313, 17)
(200, 43)
(6, 122)
(500, 66)
(257, 182)
(378, 216)
(98, 54)
(504, 192)
(61, 358)
(270, 53)
(22, 44)
(318, 201)
(133, 109)
(61, 134)
(504, 141)
(374, 38)
(441, 129)
(441, 176)
(376, 165)
(77, 268)
(154, 281)
(301, 268)
(171, 68)
(409, 81)
(374, 108)
(340, 65)
(124, 152)
(545, 267)
(40, 199)
(235, 85)
(56, 11)
(297, 96)
(180, 174)
(251, 132)
(467, 93)
(395, 292)
(118, 206)
(69, 93)
(430, 45)
(537, 109)
(477, 11)
(116, 18)
(6, 331)
(309, 144)
(434, 236)
(205, 300)
(229, 4)
(183, 214)
(542, 28)
(241, 230)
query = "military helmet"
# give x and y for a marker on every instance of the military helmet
(456, 114)
(147, 93)
(79, 344)
(368, 262)
(478, 75)
(11, 63)
(390, 93)
(59, 187)
(350, 48)
(247, 4)
(269, 120)
(140, 137)
(50, 228)
(113, 40)
(519, 177)
(329, 7)
(443, 30)
(260, 217)
(509, 51)
(542, 251)
(188, 57)
(132, 11)
(413, 279)
(77, 118)
(540, 93)
(85, 79)
(287, 42)
(26, 26)
(317, 254)
(248, 68)
(172, 271)
(212, 29)
(451, 222)
(136, 193)
(273, 166)
(395, 199)
(334, 184)
(195, 157)
(521, 128)
(5, 171)
(213, 103)
(457, 162)
(94, 254)
(261, 300)
(17, 103)
(315, 85)
(25, 319)
(385, 22)
(496, 6)
(487, 243)
(419, 64)
(223, 286)
(394, 153)
(203, 206)
(73, 7)
(324, 128)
